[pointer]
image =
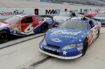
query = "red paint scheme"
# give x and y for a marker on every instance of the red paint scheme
(21, 25)
(24, 25)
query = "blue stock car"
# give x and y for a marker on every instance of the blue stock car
(71, 39)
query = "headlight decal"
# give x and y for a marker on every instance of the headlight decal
(68, 47)
(79, 47)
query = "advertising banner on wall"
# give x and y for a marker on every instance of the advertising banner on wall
(44, 11)
(8, 12)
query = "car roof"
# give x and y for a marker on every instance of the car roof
(23, 15)
(34, 15)
(81, 18)
(78, 17)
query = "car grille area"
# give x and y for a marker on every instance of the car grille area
(53, 46)
(52, 52)
(52, 49)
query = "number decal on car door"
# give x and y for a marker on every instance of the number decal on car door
(29, 28)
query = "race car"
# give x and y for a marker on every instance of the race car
(90, 14)
(100, 17)
(22, 25)
(72, 39)
(62, 17)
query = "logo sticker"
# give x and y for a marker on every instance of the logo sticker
(56, 40)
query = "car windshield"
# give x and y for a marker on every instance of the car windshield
(100, 15)
(75, 24)
(13, 19)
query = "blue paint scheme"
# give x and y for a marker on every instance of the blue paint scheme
(71, 52)
(67, 41)
(64, 37)
(47, 20)
(37, 29)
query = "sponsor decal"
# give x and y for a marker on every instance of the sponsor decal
(84, 10)
(8, 12)
(56, 40)
(58, 32)
(36, 11)
(29, 28)
(15, 12)
(19, 28)
(52, 11)
(64, 53)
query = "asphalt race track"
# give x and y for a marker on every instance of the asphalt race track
(23, 53)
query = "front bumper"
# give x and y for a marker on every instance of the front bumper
(61, 57)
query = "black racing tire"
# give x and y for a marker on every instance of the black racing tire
(85, 47)
(44, 28)
(3, 36)
(98, 34)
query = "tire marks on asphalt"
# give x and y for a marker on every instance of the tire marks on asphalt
(41, 61)
(35, 64)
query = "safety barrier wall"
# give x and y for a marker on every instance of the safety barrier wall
(8, 12)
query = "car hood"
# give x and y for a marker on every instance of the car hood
(62, 36)
(60, 18)
(3, 25)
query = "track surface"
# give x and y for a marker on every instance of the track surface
(25, 55)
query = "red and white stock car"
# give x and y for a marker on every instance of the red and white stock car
(21, 25)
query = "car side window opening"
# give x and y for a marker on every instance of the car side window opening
(91, 23)
(39, 18)
(27, 20)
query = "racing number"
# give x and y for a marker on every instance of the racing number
(29, 28)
